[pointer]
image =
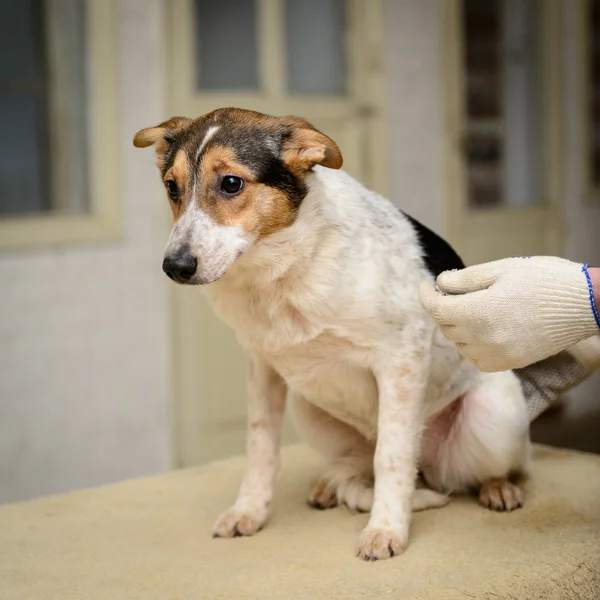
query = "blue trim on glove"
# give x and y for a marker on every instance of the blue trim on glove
(584, 269)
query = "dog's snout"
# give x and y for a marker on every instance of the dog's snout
(181, 267)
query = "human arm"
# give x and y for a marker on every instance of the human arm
(546, 381)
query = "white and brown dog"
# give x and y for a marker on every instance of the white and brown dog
(318, 276)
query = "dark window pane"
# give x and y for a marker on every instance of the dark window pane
(43, 104)
(23, 109)
(314, 33)
(21, 169)
(21, 41)
(503, 107)
(226, 44)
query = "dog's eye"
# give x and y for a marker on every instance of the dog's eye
(232, 184)
(172, 188)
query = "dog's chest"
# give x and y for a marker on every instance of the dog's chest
(317, 358)
(332, 373)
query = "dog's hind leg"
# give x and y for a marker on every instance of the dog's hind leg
(349, 476)
(481, 442)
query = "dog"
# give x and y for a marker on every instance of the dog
(318, 276)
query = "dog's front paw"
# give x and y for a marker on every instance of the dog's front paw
(236, 522)
(378, 543)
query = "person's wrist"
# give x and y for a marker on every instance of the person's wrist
(595, 279)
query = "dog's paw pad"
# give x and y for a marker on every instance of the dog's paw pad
(379, 544)
(500, 495)
(237, 523)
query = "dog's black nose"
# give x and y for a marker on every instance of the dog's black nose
(180, 266)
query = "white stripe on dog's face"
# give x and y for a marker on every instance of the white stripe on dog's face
(209, 134)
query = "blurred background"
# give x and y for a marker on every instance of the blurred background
(481, 118)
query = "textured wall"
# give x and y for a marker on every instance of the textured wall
(84, 330)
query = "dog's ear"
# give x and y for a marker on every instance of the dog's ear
(160, 136)
(304, 146)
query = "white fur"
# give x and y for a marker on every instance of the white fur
(207, 137)
(215, 246)
(329, 305)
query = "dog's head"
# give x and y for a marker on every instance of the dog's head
(232, 177)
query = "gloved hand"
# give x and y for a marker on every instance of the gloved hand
(513, 312)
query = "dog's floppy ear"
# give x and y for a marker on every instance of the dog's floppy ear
(160, 136)
(303, 147)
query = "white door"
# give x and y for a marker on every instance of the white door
(318, 59)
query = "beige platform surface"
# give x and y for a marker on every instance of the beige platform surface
(150, 539)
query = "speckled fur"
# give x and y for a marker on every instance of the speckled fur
(329, 311)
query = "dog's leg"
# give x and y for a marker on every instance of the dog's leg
(349, 476)
(401, 381)
(480, 441)
(266, 395)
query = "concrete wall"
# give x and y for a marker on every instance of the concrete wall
(84, 340)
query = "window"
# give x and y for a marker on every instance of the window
(226, 48)
(502, 44)
(227, 51)
(59, 128)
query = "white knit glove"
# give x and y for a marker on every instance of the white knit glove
(513, 312)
